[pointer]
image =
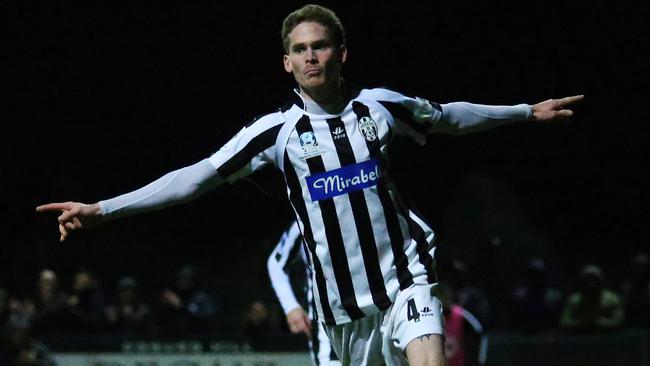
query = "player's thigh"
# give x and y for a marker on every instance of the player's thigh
(358, 343)
(426, 350)
(416, 323)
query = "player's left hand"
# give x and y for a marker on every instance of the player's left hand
(553, 109)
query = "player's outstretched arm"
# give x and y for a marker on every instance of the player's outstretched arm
(242, 155)
(173, 188)
(554, 109)
(462, 117)
(73, 215)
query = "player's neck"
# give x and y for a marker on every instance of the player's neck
(331, 99)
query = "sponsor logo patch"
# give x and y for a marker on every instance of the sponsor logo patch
(309, 145)
(344, 180)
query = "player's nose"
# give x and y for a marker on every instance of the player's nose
(310, 56)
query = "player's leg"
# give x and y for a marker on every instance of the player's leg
(415, 329)
(426, 350)
(358, 343)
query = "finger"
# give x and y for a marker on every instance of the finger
(64, 233)
(307, 323)
(568, 100)
(304, 329)
(564, 113)
(67, 215)
(57, 206)
(70, 226)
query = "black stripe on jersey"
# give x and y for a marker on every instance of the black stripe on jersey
(333, 234)
(422, 247)
(404, 114)
(295, 251)
(295, 196)
(361, 216)
(404, 276)
(258, 144)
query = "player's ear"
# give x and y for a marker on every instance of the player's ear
(288, 67)
(343, 53)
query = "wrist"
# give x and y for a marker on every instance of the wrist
(96, 209)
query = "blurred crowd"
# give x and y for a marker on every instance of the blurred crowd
(536, 301)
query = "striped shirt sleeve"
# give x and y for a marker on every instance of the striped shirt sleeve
(413, 117)
(250, 149)
(418, 117)
(287, 249)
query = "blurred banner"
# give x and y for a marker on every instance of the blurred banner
(244, 359)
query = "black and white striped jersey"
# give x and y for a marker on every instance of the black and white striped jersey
(364, 242)
(287, 252)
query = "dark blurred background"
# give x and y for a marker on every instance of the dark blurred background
(102, 99)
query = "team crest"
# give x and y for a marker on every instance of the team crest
(368, 128)
(309, 144)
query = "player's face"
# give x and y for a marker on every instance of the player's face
(313, 59)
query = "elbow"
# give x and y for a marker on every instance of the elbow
(270, 265)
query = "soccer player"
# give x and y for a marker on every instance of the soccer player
(286, 252)
(371, 255)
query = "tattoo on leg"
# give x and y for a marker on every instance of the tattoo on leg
(427, 336)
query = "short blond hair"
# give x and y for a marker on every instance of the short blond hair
(314, 13)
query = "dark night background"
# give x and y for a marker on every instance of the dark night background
(100, 100)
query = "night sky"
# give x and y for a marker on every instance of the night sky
(100, 100)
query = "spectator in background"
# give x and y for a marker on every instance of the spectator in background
(467, 294)
(256, 321)
(535, 302)
(22, 349)
(86, 302)
(592, 308)
(636, 293)
(49, 309)
(187, 308)
(465, 343)
(129, 314)
(5, 323)
(11, 312)
(17, 346)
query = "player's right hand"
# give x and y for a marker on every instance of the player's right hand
(299, 322)
(74, 215)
